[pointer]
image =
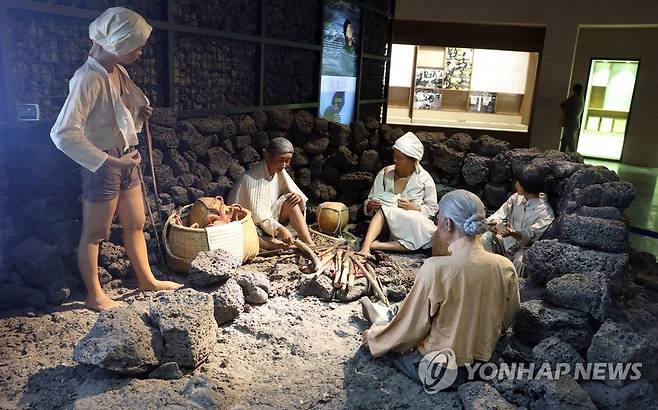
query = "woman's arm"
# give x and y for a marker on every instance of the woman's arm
(430, 205)
(377, 187)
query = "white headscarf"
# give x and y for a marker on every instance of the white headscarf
(119, 30)
(410, 145)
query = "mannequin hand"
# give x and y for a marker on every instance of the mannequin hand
(374, 205)
(285, 236)
(145, 113)
(127, 161)
(293, 199)
(408, 205)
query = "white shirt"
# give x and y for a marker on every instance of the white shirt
(529, 217)
(420, 189)
(263, 195)
(94, 117)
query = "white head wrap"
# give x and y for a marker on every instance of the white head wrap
(410, 145)
(119, 30)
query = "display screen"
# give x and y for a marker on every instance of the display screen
(339, 61)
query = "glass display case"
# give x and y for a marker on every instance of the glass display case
(461, 87)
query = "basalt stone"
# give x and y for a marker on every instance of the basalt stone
(186, 180)
(322, 192)
(184, 318)
(65, 234)
(177, 162)
(537, 321)
(167, 371)
(619, 343)
(430, 138)
(15, 296)
(339, 134)
(241, 141)
(512, 349)
(201, 174)
(359, 131)
(59, 291)
(260, 140)
(320, 286)
(165, 177)
(164, 138)
(612, 398)
(279, 119)
(212, 267)
(359, 147)
(587, 196)
(303, 122)
(235, 171)
(158, 157)
(229, 301)
(529, 291)
(299, 159)
(548, 259)
(317, 145)
(255, 286)
(190, 157)
(585, 292)
(316, 164)
(488, 146)
(121, 341)
(371, 123)
(248, 155)
(260, 119)
(501, 168)
(374, 139)
(360, 289)
(619, 194)
(600, 234)
(120, 268)
(370, 161)
(330, 174)
(589, 176)
(179, 195)
(227, 146)
(475, 170)
(563, 393)
(345, 159)
(564, 169)
(221, 187)
(496, 194)
(104, 276)
(37, 262)
(447, 159)
(321, 126)
(303, 178)
(192, 140)
(194, 194)
(245, 124)
(220, 160)
(480, 395)
(603, 212)
(208, 125)
(460, 142)
(390, 135)
(553, 350)
(356, 181)
(521, 158)
(229, 128)
(164, 116)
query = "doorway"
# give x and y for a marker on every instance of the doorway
(607, 105)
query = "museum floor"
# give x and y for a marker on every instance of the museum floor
(643, 212)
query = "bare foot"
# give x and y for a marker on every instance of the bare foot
(103, 302)
(161, 285)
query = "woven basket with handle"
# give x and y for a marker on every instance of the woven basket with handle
(182, 243)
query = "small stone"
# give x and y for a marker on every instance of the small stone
(212, 267)
(553, 350)
(594, 233)
(460, 142)
(586, 292)
(167, 371)
(229, 301)
(475, 170)
(279, 119)
(563, 393)
(446, 159)
(317, 145)
(321, 286)
(489, 147)
(339, 134)
(370, 161)
(480, 395)
(303, 122)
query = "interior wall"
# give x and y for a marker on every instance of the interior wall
(641, 44)
(561, 19)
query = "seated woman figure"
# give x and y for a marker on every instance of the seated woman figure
(403, 197)
(273, 197)
(462, 302)
(521, 220)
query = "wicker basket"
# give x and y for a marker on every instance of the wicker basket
(182, 244)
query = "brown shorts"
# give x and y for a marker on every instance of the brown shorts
(107, 182)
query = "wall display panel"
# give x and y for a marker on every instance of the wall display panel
(508, 103)
(212, 72)
(240, 16)
(454, 100)
(151, 9)
(286, 20)
(427, 100)
(500, 71)
(431, 57)
(340, 56)
(46, 50)
(481, 101)
(402, 65)
(459, 67)
(290, 75)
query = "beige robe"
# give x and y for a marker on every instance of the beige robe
(264, 195)
(463, 302)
